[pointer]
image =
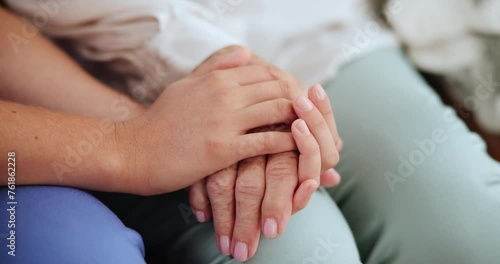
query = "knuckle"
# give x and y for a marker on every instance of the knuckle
(275, 72)
(284, 111)
(221, 184)
(311, 150)
(296, 88)
(223, 225)
(299, 85)
(331, 160)
(264, 143)
(197, 199)
(224, 96)
(290, 88)
(318, 123)
(275, 207)
(250, 147)
(215, 77)
(327, 112)
(282, 170)
(248, 190)
(223, 213)
(253, 165)
(245, 228)
(280, 173)
(243, 147)
(285, 88)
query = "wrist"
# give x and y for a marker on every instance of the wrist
(108, 162)
(124, 108)
(130, 149)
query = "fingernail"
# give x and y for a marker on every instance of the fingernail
(319, 91)
(304, 104)
(240, 252)
(224, 245)
(302, 127)
(270, 228)
(200, 216)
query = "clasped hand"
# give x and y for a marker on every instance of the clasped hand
(260, 193)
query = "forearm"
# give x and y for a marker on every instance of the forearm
(62, 149)
(138, 47)
(36, 72)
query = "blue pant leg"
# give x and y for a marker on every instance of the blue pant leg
(64, 225)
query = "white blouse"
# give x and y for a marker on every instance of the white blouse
(156, 42)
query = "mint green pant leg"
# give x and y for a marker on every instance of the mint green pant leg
(316, 235)
(417, 187)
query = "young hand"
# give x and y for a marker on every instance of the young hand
(199, 126)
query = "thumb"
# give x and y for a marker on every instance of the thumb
(236, 58)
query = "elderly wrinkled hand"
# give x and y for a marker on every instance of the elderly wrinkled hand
(260, 193)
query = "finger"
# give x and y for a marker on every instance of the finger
(220, 187)
(198, 198)
(340, 145)
(266, 113)
(320, 99)
(250, 187)
(319, 128)
(303, 195)
(281, 181)
(309, 164)
(252, 74)
(330, 178)
(278, 73)
(237, 57)
(256, 144)
(267, 91)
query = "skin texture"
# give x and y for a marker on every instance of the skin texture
(83, 95)
(39, 74)
(225, 105)
(260, 194)
(127, 144)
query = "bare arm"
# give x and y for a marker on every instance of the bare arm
(150, 154)
(154, 152)
(60, 149)
(48, 143)
(40, 74)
